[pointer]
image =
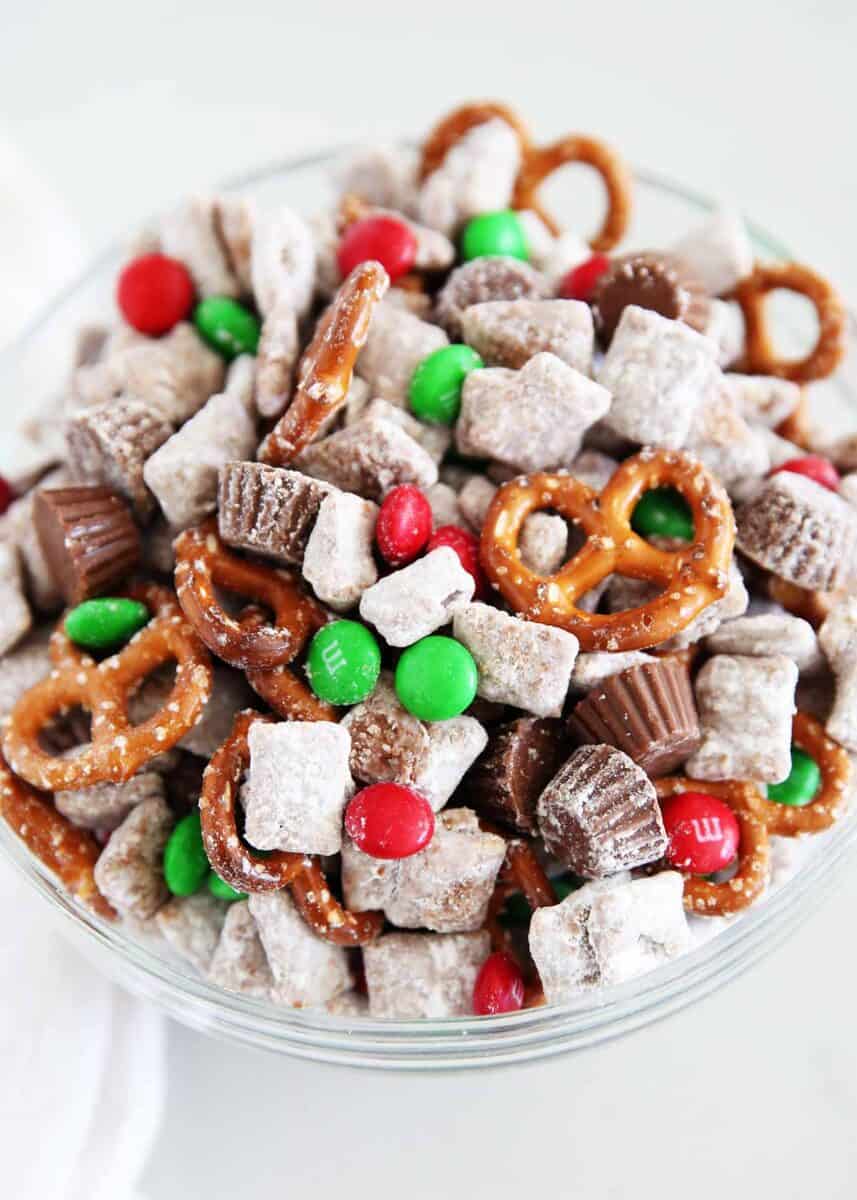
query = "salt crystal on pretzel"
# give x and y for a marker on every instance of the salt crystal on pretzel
(838, 639)
(434, 439)
(762, 399)
(444, 505)
(522, 663)
(719, 251)
(369, 458)
(411, 603)
(106, 805)
(477, 175)
(15, 617)
(722, 439)
(725, 328)
(211, 236)
(110, 444)
(297, 786)
(412, 975)
(800, 531)
(508, 333)
(608, 933)
(384, 175)
(481, 280)
(659, 372)
(183, 473)
(268, 510)
(769, 633)
(239, 963)
(192, 925)
(745, 708)
(306, 969)
(129, 872)
(283, 262)
(531, 419)
(277, 357)
(338, 560)
(396, 344)
(446, 887)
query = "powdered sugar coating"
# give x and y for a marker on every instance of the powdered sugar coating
(15, 617)
(721, 439)
(477, 175)
(283, 266)
(129, 871)
(211, 237)
(762, 399)
(277, 357)
(239, 963)
(192, 925)
(23, 667)
(434, 439)
(369, 458)
(544, 543)
(725, 328)
(766, 634)
(106, 805)
(719, 252)
(838, 639)
(397, 343)
(111, 443)
(484, 279)
(338, 561)
(590, 669)
(268, 510)
(380, 174)
(412, 975)
(306, 970)
(507, 333)
(413, 602)
(445, 509)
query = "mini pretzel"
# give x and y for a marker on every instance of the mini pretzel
(796, 427)
(69, 852)
(708, 899)
(788, 820)
(813, 606)
(202, 563)
(760, 356)
(280, 687)
(118, 749)
(692, 578)
(249, 871)
(327, 364)
(539, 162)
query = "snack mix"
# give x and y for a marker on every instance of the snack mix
(456, 613)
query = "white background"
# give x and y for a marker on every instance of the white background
(122, 107)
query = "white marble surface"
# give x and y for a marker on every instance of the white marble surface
(753, 1091)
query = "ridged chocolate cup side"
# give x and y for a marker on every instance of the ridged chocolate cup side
(648, 712)
(518, 763)
(648, 279)
(88, 537)
(269, 510)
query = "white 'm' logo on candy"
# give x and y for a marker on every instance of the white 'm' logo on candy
(333, 658)
(707, 829)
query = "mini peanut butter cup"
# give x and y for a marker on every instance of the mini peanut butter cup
(88, 537)
(519, 761)
(648, 279)
(648, 712)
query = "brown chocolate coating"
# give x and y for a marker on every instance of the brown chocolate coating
(649, 279)
(88, 537)
(508, 778)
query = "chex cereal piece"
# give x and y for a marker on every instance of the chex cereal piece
(268, 510)
(593, 468)
(192, 925)
(202, 234)
(241, 380)
(397, 342)
(474, 500)
(297, 786)
(481, 280)
(411, 603)
(507, 333)
(593, 668)
(23, 667)
(745, 712)
(434, 439)
(838, 639)
(718, 251)
(15, 617)
(454, 745)
(129, 871)
(762, 399)
(659, 372)
(553, 256)
(721, 438)
(385, 175)
(848, 488)
(18, 527)
(183, 472)
(769, 633)
(477, 175)
(444, 505)
(110, 444)
(283, 265)
(277, 357)
(446, 887)
(522, 663)
(387, 742)
(348, 1004)
(411, 975)
(369, 458)
(338, 560)
(230, 692)
(239, 962)
(600, 814)
(106, 805)
(306, 970)
(725, 328)
(544, 543)
(801, 531)
(531, 419)
(607, 933)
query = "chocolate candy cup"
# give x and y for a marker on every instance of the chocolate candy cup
(521, 758)
(648, 712)
(88, 537)
(648, 279)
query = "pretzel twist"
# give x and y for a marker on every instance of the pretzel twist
(325, 369)
(280, 688)
(692, 578)
(537, 162)
(708, 899)
(247, 870)
(788, 820)
(118, 749)
(760, 356)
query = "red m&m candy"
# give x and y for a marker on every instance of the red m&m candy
(703, 833)
(404, 524)
(390, 242)
(154, 293)
(578, 283)
(6, 494)
(466, 546)
(814, 467)
(389, 820)
(499, 986)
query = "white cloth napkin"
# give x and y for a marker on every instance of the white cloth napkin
(83, 1064)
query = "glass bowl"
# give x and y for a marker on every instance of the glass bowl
(33, 369)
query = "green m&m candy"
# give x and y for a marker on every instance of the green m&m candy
(221, 889)
(343, 663)
(227, 326)
(436, 678)
(435, 388)
(663, 512)
(494, 233)
(186, 865)
(100, 624)
(802, 783)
